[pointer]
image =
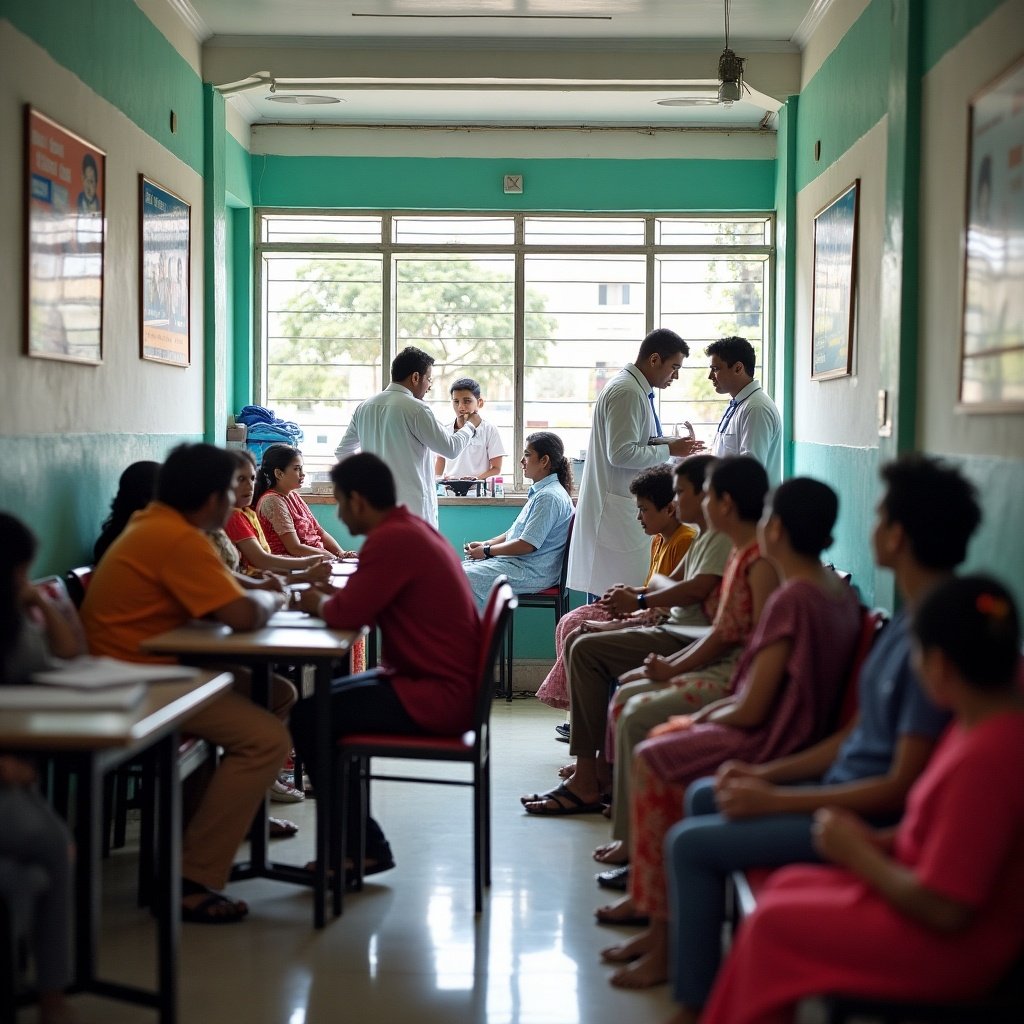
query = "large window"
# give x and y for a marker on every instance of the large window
(541, 310)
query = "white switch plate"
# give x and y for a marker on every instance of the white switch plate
(513, 184)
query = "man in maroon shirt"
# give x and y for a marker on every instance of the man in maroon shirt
(409, 584)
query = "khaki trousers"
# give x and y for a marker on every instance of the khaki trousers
(256, 743)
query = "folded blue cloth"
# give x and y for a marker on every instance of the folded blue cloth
(265, 426)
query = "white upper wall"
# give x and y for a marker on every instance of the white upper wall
(841, 411)
(125, 394)
(987, 51)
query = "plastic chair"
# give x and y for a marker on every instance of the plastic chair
(556, 598)
(355, 753)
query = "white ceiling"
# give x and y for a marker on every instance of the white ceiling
(589, 63)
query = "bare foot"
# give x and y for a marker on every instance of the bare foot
(650, 970)
(567, 771)
(626, 952)
(622, 912)
(614, 852)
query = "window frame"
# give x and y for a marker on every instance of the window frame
(519, 250)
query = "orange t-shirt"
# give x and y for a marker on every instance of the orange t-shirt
(159, 574)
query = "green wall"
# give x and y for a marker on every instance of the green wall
(475, 184)
(64, 484)
(121, 55)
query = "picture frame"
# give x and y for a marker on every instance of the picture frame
(992, 334)
(65, 235)
(165, 228)
(834, 285)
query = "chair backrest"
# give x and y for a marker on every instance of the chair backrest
(871, 624)
(501, 602)
(77, 581)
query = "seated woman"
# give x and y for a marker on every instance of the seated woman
(670, 539)
(933, 910)
(288, 522)
(785, 693)
(530, 552)
(135, 491)
(35, 845)
(246, 534)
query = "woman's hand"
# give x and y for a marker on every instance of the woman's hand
(272, 583)
(675, 723)
(840, 836)
(658, 668)
(474, 550)
(600, 626)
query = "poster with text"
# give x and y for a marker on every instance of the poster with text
(65, 231)
(164, 288)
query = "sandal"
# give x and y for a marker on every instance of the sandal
(215, 908)
(281, 828)
(566, 802)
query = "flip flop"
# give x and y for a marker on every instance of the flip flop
(617, 878)
(567, 802)
(281, 828)
(203, 912)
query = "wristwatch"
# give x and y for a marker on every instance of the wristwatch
(641, 600)
(487, 551)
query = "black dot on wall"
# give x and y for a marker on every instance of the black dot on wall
(817, 150)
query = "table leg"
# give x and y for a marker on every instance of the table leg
(87, 867)
(168, 813)
(262, 679)
(324, 768)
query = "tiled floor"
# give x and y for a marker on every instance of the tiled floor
(408, 948)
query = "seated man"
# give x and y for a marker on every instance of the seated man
(161, 572)
(410, 584)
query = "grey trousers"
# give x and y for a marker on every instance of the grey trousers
(35, 881)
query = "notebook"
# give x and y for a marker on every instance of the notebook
(89, 673)
(57, 698)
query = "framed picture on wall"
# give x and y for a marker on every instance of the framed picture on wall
(992, 345)
(65, 227)
(834, 286)
(165, 228)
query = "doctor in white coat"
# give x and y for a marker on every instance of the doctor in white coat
(607, 548)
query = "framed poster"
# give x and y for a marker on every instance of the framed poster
(65, 227)
(992, 342)
(165, 227)
(834, 284)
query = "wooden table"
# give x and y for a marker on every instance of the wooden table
(92, 743)
(201, 642)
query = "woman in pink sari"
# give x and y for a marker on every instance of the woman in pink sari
(288, 522)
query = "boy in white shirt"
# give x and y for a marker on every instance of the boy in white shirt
(481, 458)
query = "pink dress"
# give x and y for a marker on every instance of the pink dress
(665, 556)
(287, 514)
(823, 633)
(823, 929)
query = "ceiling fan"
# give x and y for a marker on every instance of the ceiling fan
(730, 70)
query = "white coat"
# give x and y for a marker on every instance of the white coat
(608, 544)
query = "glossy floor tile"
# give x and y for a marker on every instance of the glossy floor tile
(408, 948)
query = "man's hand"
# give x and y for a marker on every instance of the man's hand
(684, 446)
(308, 601)
(620, 601)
